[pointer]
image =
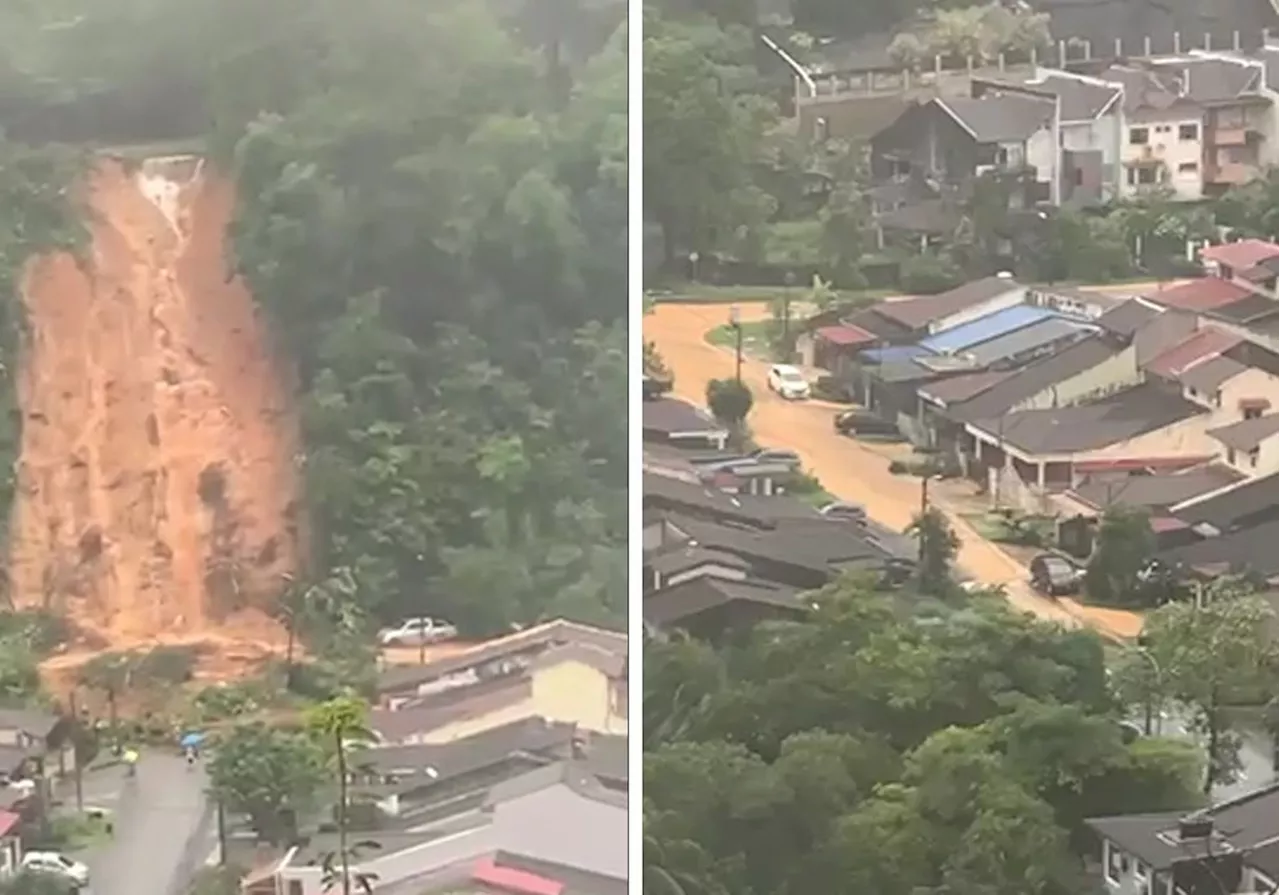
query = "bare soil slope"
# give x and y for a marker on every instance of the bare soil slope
(157, 488)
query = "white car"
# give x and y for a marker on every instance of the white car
(416, 632)
(56, 865)
(788, 382)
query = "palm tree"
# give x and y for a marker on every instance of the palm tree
(341, 721)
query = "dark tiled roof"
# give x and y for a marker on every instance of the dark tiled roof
(1202, 345)
(1080, 100)
(1246, 435)
(818, 545)
(1243, 822)
(1207, 376)
(1252, 548)
(885, 328)
(1128, 318)
(1214, 80)
(682, 559)
(1025, 341)
(1163, 333)
(670, 415)
(471, 753)
(662, 492)
(1154, 491)
(33, 723)
(916, 313)
(1086, 427)
(671, 605)
(1035, 378)
(962, 388)
(476, 701)
(1249, 499)
(1248, 309)
(999, 119)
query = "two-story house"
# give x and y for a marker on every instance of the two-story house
(956, 139)
(1163, 124)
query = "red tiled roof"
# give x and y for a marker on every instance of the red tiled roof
(1161, 524)
(518, 882)
(8, 820)
(1203, 294)
(1245, 253)
(845, 334)
(1200, 346)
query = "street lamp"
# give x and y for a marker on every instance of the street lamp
(693, 266)
(735, 320)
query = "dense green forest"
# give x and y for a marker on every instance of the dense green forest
(432, 214)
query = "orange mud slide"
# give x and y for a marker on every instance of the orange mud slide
(156, 486)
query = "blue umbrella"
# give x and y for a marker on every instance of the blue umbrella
(191, 740)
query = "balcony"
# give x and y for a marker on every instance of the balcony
(1228, 136)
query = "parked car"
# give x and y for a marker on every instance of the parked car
(842, 509)
(653, 386)
(1053, 576)
(784, 456)
(832, 388)
(55, 864)
(788, 382)
(865, 424)
(417, 631)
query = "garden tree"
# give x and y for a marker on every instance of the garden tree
(341, 723)
(1214, 654)
(868, 748)
(19, 673)
(730, 401)
(1138, 681)
(1124, 547)
(272, 775)
(840, 18)
(702, 134)
(30, 883)
(938, 545)
(981, 32)
(1250, 208)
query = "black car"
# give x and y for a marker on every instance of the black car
(653, 387)
(865, 424)
(1053, 576)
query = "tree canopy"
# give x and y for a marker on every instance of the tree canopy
(882, 746)
(432, 215)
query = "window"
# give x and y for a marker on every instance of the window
(1138, 136)
(295, 887)
(1253, 458)
(1077, 176)
(1252, 413)
(1162, 128)
(1187, 168)
(1142, 878)
(1231, 456)
(1146, 175)
(1188, 132)
(1114, 863)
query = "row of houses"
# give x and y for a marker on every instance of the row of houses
(497, 768)
(1060, 402)
(726, 549)
(1196, 124)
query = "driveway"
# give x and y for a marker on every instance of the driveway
(162, 827)
(848, 470)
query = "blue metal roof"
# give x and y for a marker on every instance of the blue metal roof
(984, 329)
(893, 354)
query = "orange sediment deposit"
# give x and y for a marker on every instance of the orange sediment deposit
(157, 491)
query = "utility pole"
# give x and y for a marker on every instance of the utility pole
(76, 752)
(222, 834)
(735, 320)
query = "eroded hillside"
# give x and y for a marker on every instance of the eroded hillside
(157, 487)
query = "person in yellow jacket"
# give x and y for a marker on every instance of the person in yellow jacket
(130, 760)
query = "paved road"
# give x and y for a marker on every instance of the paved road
(161, 827)
(846, 469)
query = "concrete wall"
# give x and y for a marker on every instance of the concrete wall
(1044, 154)
(570, 692)
(1115, 373)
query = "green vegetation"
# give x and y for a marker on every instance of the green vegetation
(432, 217)
(882, 746)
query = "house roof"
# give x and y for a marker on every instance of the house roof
(442, 709)
(671, 416)
(1212, 80)
(685, 558)
(916, 313)
(1079, 99)
(1159, 491)
(846, 334)
(961, 388)
(1252, 548)
(1088, 427)
(1203, 294)
(1143, 89)
(1160, 334)
(539, 638)
(8, 822)
(1207, 376)
(1003, 118)
(817, 545)
(893, 354)
(33, 723)
(1126, 319)
(1243, 823)
(672, 605)
(1202, 345)
(1246, 435)
(1243, 254)
(883, 328)
(1025, 340)
(534, 734)
(984, 329)
(1225, 509)
(1251, 308)
(1034, 379)
(661, 492)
